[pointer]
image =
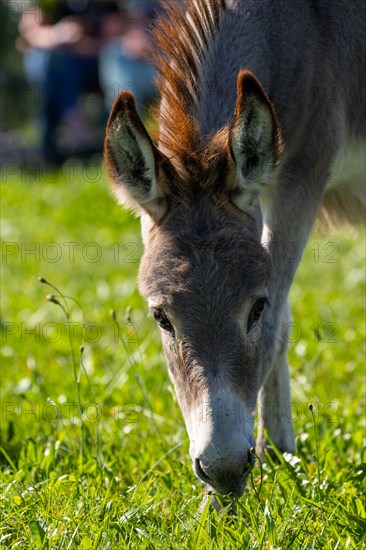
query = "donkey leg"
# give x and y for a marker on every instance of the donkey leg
(289, 221)
(274, 403)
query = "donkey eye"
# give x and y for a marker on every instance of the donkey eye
(162, 320)
(256, 312)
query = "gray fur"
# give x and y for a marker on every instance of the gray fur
(211, 258)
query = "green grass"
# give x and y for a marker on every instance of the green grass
(116, 473)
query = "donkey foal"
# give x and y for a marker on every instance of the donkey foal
(256, 100)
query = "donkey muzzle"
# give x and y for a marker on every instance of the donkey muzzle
(228, 476)
(222, 443)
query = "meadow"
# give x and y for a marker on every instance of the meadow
(94, 451)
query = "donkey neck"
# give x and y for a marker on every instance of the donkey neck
(229, 49)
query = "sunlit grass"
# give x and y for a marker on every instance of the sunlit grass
(117, 474)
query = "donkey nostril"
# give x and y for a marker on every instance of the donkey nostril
(201, 472)
(249, 464)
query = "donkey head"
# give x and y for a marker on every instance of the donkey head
(204, 271)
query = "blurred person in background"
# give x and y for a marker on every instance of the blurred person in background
(64, 44)
(61, 41)
(123, 61)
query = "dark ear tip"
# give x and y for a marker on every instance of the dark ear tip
(248, 84)
(127, 99)
(124, 103)
(245, 75)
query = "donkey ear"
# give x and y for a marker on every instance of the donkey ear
(132, 160)
(255, 139)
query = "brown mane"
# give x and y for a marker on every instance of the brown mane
(182, 37)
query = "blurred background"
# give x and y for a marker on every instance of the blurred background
(122, 477)
(62, 63)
